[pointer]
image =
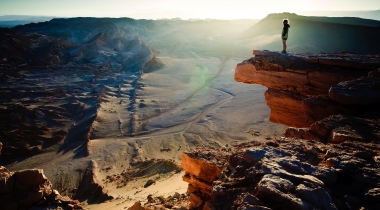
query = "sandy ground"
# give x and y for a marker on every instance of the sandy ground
(126, 197)
(188, 103)
(145, 120)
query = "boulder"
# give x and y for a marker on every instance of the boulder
(254, 154)
(315, 195)
(277, 189)
(362, 91)
(30, 189)
(205, 166)
(252, 200)
(338, 129)
(137, 206)
(301, 133)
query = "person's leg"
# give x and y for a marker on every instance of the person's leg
(284, 45)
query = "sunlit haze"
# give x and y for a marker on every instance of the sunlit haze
(185, 9)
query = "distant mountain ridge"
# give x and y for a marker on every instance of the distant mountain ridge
(320, 34)
(9, 21)
(371, 14)
(189, 38)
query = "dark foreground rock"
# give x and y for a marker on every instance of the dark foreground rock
(297, 174)
(30, 188)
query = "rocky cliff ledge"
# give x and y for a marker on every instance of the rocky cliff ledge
(304, 88)
(331, 161)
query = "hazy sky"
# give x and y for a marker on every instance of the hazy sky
(153, 9)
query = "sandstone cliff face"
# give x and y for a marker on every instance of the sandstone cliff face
(304, 88)
(202, 167)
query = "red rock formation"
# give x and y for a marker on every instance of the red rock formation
(202, 167)
(301, 85)
(27, 188)
(306, 74)
(287, 108)
(295, 110)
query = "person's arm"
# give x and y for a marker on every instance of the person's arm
(285, 31)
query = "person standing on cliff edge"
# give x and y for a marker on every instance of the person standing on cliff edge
(284, 35)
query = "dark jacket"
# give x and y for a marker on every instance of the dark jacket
(285, 31)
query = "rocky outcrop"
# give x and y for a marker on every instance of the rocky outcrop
(304, 88)
(137, 206)
(176, 201)
(338, 129)
(306, 74)
(362, 91)
(297, 174)
(27, 188)
(202, 167)
(331, 163)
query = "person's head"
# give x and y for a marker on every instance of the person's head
(285, 21)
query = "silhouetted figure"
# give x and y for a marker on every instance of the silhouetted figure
(284, 35)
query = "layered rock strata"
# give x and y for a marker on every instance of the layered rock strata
(304, 88)
(202, 167)
(27, 188)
